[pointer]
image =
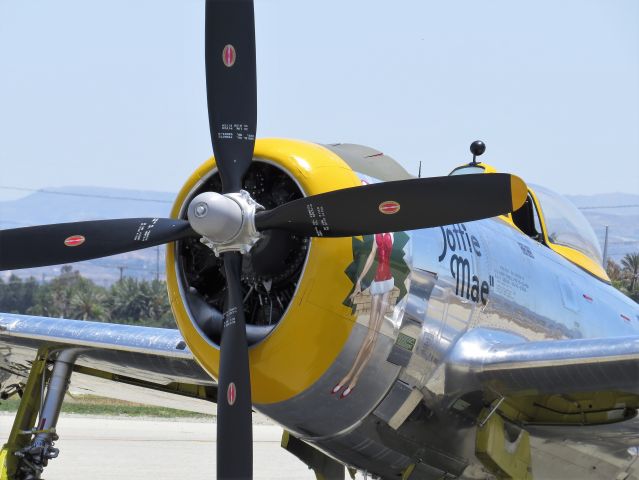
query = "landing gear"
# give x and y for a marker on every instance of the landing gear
(30, 448)
(505, 452)
(325, 468)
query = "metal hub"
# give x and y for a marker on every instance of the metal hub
(226, 222)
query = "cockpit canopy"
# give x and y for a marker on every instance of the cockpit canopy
(565, 225)
(565, 229)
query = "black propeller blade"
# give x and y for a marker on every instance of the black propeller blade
(72, 242)
(234, 407)
(397, 206)
(232, 104)
(231, 87)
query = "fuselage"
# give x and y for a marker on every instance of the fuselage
(483, 274)
(358, 365)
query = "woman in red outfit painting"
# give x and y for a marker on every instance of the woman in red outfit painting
(380, 291)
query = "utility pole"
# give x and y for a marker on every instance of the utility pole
(121, 271)
(605, 252)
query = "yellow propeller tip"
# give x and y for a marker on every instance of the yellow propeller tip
(518, 191)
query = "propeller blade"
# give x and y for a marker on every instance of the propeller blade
(397, 206)
(72, 242)
(231, 90)
(231, 87)
(234, 408)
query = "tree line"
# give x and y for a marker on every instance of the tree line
(70, 295)
(625, 274)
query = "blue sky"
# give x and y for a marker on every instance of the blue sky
(112, 93)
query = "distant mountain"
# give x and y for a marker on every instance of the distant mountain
(71, 204)
(68, 204)
(607, 200)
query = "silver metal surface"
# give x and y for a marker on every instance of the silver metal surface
(226, 222)
(127, 338)
(369, 161)
(319, 413)
(157, 355)
(532, 315)
(56, 389)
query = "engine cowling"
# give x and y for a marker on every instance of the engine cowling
(294, 287)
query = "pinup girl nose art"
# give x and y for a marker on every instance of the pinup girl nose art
(378, 285)
(380, 290)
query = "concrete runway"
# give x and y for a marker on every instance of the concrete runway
(134, 448)
(101, 448)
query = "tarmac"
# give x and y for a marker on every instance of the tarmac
(142, 448)
(107, 447)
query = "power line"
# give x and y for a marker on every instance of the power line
(609, 206)
(157, 200)
(86, 195)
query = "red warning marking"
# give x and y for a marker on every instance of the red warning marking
(627, 319)
(231, 394)
(229, 55)
(74, 241)
(388, 208)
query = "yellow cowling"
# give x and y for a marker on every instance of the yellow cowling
(316, 326)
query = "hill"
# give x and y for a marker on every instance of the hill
(71, 204)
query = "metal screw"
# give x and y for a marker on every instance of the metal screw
(201, 209)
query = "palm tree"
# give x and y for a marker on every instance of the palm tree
(630, 264)
(125, 301)
(87, 303)
(157, 306)
(614, 270)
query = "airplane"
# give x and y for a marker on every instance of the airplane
(416, 328)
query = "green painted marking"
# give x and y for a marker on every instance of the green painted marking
(406, 342)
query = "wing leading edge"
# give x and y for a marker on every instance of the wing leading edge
(138, 358)
(507, 365)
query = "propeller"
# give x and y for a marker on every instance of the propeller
(381, 207)
(72, 242)
(231, 92)
(399, 205)
(231, 87)
(231, 223)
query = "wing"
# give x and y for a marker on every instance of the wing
(150, 365)
(551, 387)
(507, 365)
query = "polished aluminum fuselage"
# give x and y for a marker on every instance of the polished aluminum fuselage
(484, 274)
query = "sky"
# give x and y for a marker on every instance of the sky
(112, 94)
